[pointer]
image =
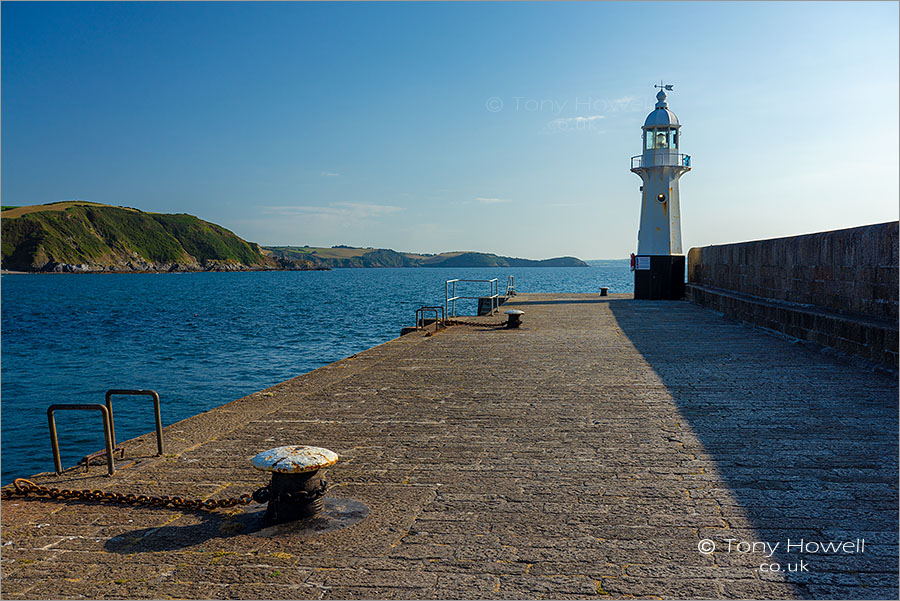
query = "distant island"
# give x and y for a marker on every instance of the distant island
(88, 237)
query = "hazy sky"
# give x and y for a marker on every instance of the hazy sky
(498, 127)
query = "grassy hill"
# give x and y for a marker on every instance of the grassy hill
(346, 256)
(343, 256)
(85, 236)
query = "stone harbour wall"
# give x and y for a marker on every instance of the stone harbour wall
(837, 289)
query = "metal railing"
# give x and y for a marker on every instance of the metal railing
(450, 296)
(107, 433)
(439, 317)
(150, 393)
(662, 159)
(510, 287)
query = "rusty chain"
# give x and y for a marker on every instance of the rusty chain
(457, 322)
(24, 487)
(264, 494)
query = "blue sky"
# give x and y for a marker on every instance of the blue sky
(499, 127)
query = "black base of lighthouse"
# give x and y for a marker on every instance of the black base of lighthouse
(660, 278)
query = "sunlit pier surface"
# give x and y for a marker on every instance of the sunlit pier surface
(609, 447)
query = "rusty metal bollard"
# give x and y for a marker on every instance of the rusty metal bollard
(298, 487)
(515, 318)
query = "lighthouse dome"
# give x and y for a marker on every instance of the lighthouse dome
(661, 117)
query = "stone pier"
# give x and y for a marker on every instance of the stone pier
(607, 448)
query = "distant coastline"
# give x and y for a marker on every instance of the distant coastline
(342, 256)
(74, 270)
(88, 237)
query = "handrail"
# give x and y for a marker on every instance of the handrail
(439, 319)
(107, 433)
(662, 159)
(150, 393)
(450, 296)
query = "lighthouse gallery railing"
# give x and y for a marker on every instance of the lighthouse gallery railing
(668, 159)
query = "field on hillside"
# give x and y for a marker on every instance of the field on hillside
(343, 252)
(14, 212)
(325, 253)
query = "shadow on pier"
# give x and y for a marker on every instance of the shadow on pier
(199, 527)
(806, 444)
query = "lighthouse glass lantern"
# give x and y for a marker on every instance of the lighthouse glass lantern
(659, 262)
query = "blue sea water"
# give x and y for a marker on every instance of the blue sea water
(204, 339)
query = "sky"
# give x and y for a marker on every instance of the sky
(432, 127)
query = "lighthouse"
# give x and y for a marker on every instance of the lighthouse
(659, 263)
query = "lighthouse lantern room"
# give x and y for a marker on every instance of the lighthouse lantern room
(659, 263)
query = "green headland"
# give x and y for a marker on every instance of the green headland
(81, 236)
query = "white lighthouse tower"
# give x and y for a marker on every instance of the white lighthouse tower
(659, 262)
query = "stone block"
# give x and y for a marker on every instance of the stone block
(890, 339)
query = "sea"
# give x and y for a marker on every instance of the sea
(204, 339)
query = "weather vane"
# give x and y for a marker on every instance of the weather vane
(664, 86)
